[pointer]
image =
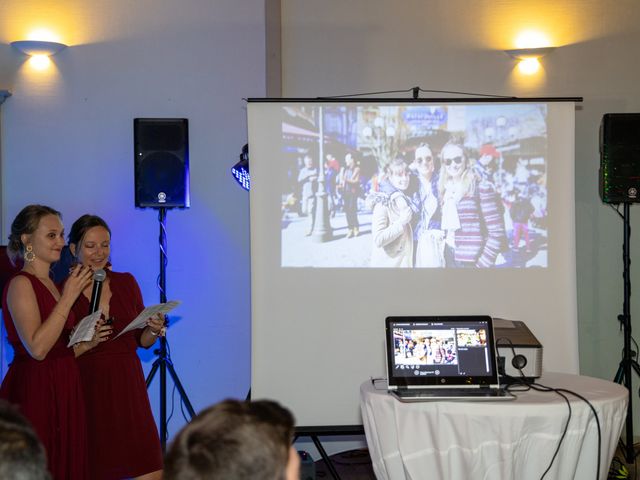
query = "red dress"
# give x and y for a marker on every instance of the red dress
(123, 438)
(48, 392)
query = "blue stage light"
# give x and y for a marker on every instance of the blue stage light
(241, 169)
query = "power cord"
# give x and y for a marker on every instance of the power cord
(521, 381)
(561, 392)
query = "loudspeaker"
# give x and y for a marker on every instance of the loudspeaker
(161, 162)
(619, 175)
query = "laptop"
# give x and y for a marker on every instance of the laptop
(442, 358)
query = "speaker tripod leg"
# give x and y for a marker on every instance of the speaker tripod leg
(152, 372)
(181, 390)
(619, 377)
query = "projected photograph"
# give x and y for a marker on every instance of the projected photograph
(414, 186)
(424, 347)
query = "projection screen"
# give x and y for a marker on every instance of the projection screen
(361, 210)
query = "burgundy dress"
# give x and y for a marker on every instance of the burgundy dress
(123, 438)
(48, 392)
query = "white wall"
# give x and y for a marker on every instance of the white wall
(67, 140)
(339, 48)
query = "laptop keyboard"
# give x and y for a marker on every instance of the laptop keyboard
(452, 392)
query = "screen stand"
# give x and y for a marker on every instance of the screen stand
(333, 430)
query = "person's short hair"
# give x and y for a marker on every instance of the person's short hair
(22, 456)
(233, 440)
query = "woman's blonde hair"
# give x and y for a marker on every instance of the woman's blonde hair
(467, 177)
(26, 222)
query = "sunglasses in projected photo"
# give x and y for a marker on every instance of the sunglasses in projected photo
(427, 159)
(457, 160)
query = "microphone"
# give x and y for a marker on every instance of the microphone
(98, 277)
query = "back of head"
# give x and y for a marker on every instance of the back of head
(233, 440)
(22, 456)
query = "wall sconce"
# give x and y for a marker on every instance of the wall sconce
(529, 58)
(38, 50)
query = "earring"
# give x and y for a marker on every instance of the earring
(29, 256)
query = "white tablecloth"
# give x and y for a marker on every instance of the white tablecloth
(494, 440)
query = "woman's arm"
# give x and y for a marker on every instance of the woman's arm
(36, 334)
(155, 328)
(492, 215)
(101, 335)
(385, 231)
(155, 325)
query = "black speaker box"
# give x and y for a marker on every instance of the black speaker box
(619, 179)
(161, 160)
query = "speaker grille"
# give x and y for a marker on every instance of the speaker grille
(161, 151)
(619, 179)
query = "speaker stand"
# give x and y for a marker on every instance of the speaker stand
(628, 362)
(163, 362)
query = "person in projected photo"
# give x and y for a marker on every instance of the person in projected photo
(43, 378)
(331, 171)
(308, 180)
(521, 211)
(349, 186)
(472, 216)
(123, 439)
(428, 236)
(393, 211)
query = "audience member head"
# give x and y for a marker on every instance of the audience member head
(22, 456)
(235, 440)
(90, 241)
(25, 225)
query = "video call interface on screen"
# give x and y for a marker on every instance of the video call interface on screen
(434, 348)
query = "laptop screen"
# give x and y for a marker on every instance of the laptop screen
(440, 351)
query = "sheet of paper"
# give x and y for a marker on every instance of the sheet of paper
(141, 320)
(85, 329)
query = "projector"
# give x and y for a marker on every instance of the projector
(518, 350)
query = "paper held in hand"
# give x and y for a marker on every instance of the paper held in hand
(85, 329)
(141, 320)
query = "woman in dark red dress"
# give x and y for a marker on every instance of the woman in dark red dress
(43, 379)
(123, 439)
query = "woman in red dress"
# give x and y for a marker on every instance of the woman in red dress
(43, 379)
(123, 439)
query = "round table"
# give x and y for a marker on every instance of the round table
(495, 440)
